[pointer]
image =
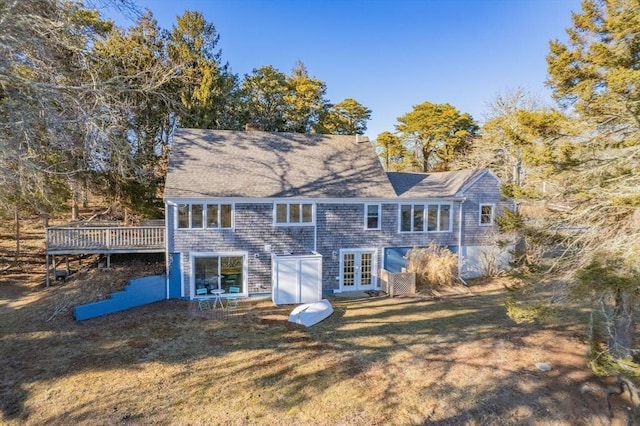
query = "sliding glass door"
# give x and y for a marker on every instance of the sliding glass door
(218, 272)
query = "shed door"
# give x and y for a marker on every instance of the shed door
(297, 280)
(357, 268)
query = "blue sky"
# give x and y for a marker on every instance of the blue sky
(390, 55)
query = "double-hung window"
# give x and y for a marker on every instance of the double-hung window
(198, 216)
(372, 216)
(294, 214)
(425, 217)
(486, 214)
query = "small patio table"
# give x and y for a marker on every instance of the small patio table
(217, 292)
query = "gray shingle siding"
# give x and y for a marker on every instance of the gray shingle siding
(339, 226)
(485, 190)
(253, 229)
(253, 170)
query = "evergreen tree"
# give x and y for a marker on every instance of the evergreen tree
(596, 75)
(208, 88)
(348, 117)
(263, 94)
(141, 114)
(306, 101)
(391, 150)
(437, 133)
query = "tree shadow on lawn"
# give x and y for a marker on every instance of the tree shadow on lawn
(384, 341)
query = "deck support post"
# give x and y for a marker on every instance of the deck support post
(108, 260)
(47, 280)
(67, 265)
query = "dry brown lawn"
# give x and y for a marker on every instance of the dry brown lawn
(452, 360)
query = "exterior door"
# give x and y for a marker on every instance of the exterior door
(357, 269)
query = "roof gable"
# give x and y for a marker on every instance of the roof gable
(436, 185)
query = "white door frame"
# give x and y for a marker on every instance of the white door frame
(357, 252)
(245, 268)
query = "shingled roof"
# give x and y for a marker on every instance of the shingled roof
(254, 164)
(436, 185)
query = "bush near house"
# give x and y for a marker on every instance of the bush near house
(434, 266)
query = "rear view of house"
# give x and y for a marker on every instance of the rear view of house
(239, 203)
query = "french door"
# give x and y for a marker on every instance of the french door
(357, 268)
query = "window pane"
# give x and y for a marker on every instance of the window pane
(212, 216)
(281, 213)
(294, 212)
(231, 271)
(405, 218)
(225, 215)
(348, 270)
(432, 218)
(486, 215)
(307, 213)
(445, 214)
(373, 217)
(418, 217)
(196, 216)
(183, 215)
(206, 273)
(366, 263)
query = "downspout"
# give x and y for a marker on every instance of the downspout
(460, 243)
(315, 227)
(166, 247)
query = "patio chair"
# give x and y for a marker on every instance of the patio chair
(232, 301)
(203, 304)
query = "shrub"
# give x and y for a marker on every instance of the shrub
(434, 266)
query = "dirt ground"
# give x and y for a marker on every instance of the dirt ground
(446, 359)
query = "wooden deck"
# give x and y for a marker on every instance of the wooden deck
(106, 239)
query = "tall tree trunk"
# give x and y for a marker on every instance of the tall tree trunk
(621, 338)
(74, 208)
(17, 222)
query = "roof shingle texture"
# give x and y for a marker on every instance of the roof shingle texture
(223, 163)
(436, 185)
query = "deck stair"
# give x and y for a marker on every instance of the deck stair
(139, 292)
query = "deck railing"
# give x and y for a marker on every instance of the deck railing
(105, 239)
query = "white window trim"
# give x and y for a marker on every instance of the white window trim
(289, 204)
(204, 215)
(493, 214)
(366, 216)
(245, 270)
(425, 217)
(219, 218)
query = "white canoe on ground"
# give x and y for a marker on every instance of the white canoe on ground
(309, 314)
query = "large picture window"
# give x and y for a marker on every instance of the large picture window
(218, 273)
(294, 214)
(197, 216)
(421, 217)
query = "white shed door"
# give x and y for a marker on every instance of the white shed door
(297, 280)
(287, 281)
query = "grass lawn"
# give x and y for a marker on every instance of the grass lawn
(402, 361)
(454, 360)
